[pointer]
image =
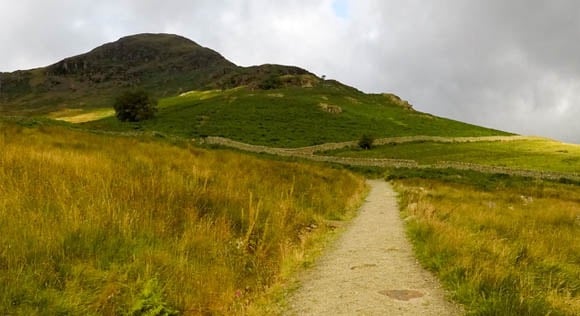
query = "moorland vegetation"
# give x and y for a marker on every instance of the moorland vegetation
(97, 224)
(501, 245)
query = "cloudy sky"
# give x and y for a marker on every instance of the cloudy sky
(512, 65)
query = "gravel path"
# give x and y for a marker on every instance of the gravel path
(371, 269)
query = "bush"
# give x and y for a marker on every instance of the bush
(271, 82)
(366, 142)
(135, 106)
(151, 302)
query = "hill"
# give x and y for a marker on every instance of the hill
(202, 93)
(164, 64)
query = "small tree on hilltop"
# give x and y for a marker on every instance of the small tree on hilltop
(366, 141)
(135, 106)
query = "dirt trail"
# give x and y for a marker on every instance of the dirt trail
(371, 269)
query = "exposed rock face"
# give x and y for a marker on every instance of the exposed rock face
(264, 77)
(140, 58)
(395, 99)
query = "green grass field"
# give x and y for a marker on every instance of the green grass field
(291, 117)
(540, 154)
(501, 245)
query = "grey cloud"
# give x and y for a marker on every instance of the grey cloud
(508, 65)
(511, 65)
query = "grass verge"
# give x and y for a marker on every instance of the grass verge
(501, 245)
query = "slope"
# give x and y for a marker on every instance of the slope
(292, 117)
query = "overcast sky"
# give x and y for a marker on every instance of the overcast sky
(508, 64)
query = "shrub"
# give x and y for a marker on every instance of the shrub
(151, 302)
(366, 141)
(271, 82)
(135, 106)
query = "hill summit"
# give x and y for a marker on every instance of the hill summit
(164, 64)
(135, 59)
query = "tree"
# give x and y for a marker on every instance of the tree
(135, 106)
(366, 141)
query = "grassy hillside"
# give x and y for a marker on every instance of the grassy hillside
(501, 245)
(539, 154)
(292, 117)
(102, 225)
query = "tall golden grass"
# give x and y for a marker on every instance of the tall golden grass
(512, 250)
(103, 225)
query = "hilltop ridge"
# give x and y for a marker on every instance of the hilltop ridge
(164, 64)
(132, 59)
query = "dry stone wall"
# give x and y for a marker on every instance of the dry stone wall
(308, 153)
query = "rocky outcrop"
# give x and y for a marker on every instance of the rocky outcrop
(396, 100)
(330, 108)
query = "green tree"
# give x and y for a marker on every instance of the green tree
(366, 141)
(135, 106)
